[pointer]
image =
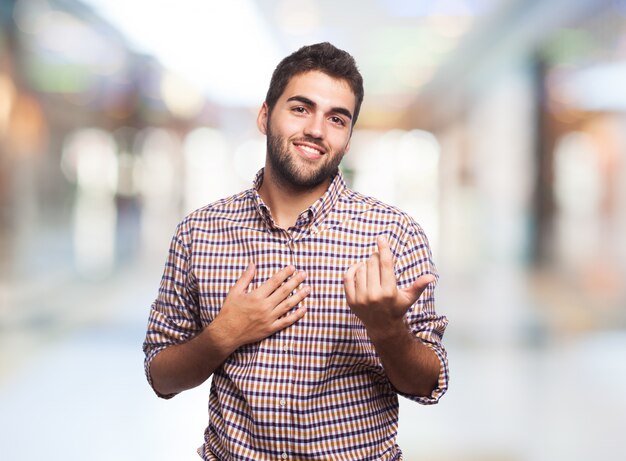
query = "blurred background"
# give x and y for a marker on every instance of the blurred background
(500, 125)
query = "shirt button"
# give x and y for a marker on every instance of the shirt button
(284, 456)
(282, 402)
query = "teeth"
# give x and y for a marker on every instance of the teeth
(310, 150)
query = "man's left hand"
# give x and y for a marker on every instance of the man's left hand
(373, 295)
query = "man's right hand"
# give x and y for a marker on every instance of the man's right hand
(246, 317)
(249, 316)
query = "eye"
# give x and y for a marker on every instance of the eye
(299, 109)
(337, 120)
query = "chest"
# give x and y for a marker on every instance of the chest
(218, 262)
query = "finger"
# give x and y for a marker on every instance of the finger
(413, 292)
(349, 284)
(287, 288)
(361, 283)
(245, 278)
(288, 320)
(387, 275)
(275, 281)
(373, 273)
(285, 306)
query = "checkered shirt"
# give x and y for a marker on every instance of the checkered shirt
(317, 389)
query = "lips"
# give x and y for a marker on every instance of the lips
(309, 150)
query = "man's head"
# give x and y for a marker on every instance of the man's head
(322, 57)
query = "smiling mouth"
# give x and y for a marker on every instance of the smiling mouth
(309, 150)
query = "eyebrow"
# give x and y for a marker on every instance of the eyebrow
(308, 102)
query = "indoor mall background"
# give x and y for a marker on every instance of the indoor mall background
(500, 125)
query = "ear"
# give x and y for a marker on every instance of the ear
(261, 119)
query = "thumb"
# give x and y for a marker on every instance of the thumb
(245, 278)
(413, 292)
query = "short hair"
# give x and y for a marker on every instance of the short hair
(323, 57)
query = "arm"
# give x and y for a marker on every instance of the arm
(245, 317)
(372, 294)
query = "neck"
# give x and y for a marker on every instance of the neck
(287, 202)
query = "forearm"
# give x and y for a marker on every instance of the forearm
(184, 366)
(412, 367)
(245, 317)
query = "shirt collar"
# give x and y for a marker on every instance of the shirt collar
(314, 215)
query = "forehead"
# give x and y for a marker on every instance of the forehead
(322, 89)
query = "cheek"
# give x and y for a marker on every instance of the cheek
(286, 127)
(339, 141)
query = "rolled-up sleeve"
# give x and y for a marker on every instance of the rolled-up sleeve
(414, 261)
(174, 315)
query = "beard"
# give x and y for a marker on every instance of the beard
(285, 166)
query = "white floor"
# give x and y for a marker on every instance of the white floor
(75, 390)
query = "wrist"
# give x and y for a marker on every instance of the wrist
(393, 330)
(221, 338)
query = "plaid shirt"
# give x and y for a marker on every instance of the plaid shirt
(316, 390)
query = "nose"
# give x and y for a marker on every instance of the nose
(315, 127)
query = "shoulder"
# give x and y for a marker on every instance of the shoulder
(365, 207)
(232, 208)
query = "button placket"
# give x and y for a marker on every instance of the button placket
(287, 345)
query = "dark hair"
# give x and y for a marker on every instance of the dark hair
(323, 57)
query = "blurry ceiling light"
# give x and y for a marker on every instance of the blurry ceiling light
(226, 48)
(597, 88)
(77, 42)
(61, 33)
(67, 54)
(180, 97)
(298, 18)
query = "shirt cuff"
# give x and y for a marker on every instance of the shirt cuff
(442, 383)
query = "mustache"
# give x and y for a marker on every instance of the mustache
(315, 141)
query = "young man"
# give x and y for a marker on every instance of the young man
(310, 305)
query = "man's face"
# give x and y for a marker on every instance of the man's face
(308, 131)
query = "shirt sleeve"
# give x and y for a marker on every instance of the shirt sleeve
(413, 261)
(174, 317)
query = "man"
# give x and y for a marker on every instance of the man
(310, 305)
